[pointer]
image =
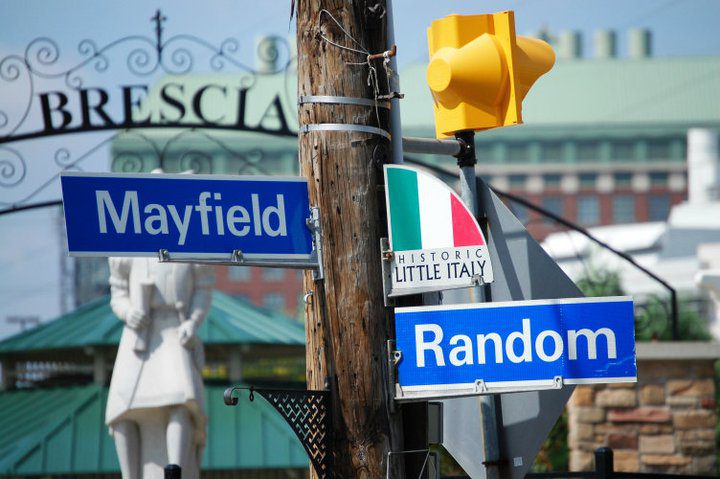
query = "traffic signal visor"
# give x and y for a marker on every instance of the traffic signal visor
(480, 71)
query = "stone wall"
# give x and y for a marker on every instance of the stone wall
(664, 423)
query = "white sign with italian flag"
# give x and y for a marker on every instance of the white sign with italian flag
(435, 240)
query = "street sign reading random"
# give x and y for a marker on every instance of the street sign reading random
(436, 242)
(188, 216)
(466, 349)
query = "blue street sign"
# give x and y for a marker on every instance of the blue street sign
(466, 349)
(188, 216)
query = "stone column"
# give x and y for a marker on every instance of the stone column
(665, 423)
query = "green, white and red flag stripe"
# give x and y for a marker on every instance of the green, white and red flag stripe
(424, 213)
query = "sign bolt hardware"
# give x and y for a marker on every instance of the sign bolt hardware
(307, 297)
(237, 256)
(313, 223)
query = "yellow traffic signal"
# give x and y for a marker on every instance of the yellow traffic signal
(480, 71)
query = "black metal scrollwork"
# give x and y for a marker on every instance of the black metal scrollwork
(188, 150)
(173, 55)
(23, 74)
(308, 414)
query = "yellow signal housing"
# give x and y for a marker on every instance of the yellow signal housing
(480, 71)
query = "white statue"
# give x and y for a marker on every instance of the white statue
(155, 408)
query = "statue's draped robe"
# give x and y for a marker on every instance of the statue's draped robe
(166, 373)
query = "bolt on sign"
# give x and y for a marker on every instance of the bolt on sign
(434, 243)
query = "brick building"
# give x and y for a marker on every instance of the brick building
(271, 288)
(604, 142)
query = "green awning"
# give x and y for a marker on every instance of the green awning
(230, 321)
(62, 431)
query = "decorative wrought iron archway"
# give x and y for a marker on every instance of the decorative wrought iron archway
(171, 143)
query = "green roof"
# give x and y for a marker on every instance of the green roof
(668, 93)
(657, 92)
(230, 321)
(62, 431)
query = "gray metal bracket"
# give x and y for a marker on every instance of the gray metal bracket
(308, 414)
(386, 256)
(477, 388)
(393, 358)
(313, 222)
(238, 258)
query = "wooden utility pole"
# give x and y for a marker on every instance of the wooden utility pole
(346, 321)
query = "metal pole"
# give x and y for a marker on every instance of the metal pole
(173, 471)
(604, 466)
(450, 147)
(674, 314)
(468, 192)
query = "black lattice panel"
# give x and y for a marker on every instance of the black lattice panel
(308, 414)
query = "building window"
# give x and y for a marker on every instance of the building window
(517, 181)
(658, 207)
(659, 179)
(588, 209)
(517, 153)
(485, 152)
(623, 150)
(588, 180)
(273, 274)
(238, 274)
(274, 301)
(552, 180)
(623, 209)
(623, 179)
(587, 151)
(659, 150)
(551, 152)
(553, 204)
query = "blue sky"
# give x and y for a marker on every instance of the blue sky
(30, 258)
(680, 27)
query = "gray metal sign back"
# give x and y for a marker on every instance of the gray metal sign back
(522, 271)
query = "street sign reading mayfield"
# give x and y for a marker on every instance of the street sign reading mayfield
(256, 218)
(435, 241)
(460, 350)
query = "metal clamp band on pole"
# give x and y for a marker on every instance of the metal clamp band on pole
(373, 130)
(342, 100)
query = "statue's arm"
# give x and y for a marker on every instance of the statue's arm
(119, 287)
